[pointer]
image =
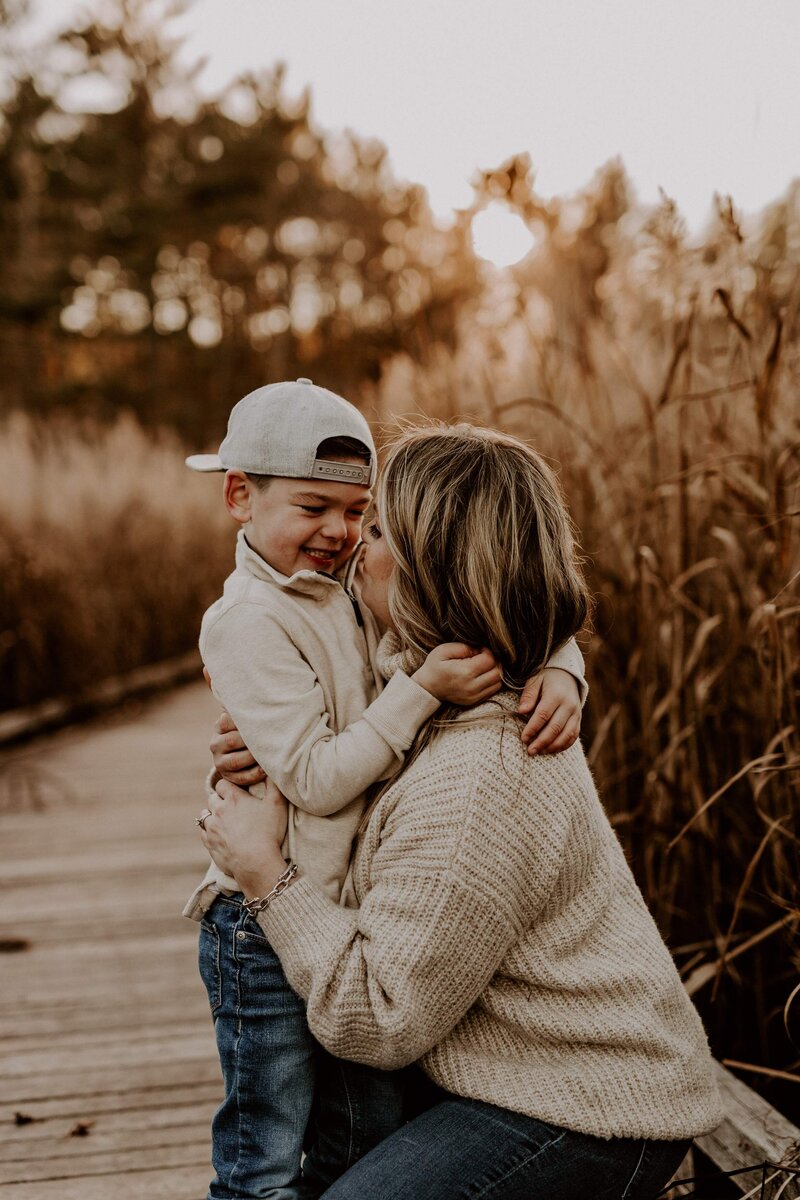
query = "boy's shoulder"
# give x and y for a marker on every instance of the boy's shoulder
(244, 599)
(269, 611)
(246, 630)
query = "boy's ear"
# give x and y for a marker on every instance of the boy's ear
(238, 492)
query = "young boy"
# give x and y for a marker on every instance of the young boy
(290, 654)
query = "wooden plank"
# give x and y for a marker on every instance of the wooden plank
(124, 981)
(114, 1056)
(68, 920)
(142, 1039)
(175, 1153)
(685, 1171)
(98, 1022)
(172, 1183)
(147, 1109)
(61, 927)
(752, 1132)
(117, 860)
(96, 1014)
(87, 1083)
(101, 1138)
(18, 724)
(78, 957)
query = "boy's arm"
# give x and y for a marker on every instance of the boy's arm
(569, 658)
(555, 697)
(275, 699)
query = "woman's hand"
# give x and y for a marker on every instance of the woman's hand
(244, 835)
(553, 698)
(232, 759)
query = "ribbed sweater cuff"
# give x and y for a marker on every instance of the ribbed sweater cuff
(301, 926)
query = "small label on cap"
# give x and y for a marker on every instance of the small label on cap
(303, 380)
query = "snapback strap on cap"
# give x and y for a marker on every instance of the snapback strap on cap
(341, 472)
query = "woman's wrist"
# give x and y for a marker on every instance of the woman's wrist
(259, 882)
(258, 904)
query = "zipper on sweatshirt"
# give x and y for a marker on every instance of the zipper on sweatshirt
(347, 582)
(356, 609)
(350, 596)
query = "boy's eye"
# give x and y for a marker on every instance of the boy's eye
(315, 509)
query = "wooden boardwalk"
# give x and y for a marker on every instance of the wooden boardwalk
(108, 1071)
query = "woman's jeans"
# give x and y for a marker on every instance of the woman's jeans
(463, 1149)
(273, 1069)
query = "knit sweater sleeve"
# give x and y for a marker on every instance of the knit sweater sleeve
(385, 982)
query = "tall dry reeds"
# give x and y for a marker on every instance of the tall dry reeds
(110, 549)
(668, 397)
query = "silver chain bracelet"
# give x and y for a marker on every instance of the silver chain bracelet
(259, 903)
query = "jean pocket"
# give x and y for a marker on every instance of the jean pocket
(254, 937)
(261, 986)
(208, 957)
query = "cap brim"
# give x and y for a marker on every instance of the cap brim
(205, 462)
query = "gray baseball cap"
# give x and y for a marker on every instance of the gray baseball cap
(277, 429)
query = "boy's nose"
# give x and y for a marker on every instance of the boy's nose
(335, 528)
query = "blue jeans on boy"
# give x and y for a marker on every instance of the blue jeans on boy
(283, 1092)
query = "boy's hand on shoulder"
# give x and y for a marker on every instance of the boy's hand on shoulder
(458, 674)
(553, 699)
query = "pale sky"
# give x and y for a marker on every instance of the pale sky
(695, 95)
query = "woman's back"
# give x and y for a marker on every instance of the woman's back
(527, 969)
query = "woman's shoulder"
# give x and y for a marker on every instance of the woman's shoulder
(475, 803)
(478, 758)
(492, 733)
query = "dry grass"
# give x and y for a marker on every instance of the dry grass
(110, 549)
(671, 413)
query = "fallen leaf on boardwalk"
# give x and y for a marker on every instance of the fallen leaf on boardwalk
(82, 1129)
(12, 945)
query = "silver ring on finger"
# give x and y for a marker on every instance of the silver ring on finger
(201, 820)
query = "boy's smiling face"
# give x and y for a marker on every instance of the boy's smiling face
(298, 524)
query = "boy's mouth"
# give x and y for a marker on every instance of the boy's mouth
(323, 558)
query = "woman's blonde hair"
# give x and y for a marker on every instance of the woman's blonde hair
(483, 546)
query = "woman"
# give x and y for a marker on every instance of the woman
(500, 939)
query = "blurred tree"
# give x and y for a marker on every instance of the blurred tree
(12, 11)
(166, 252)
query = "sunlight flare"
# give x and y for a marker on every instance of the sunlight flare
(501, 236)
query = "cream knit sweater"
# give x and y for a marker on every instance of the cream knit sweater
(501, 940)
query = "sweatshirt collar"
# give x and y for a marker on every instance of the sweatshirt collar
(309, 583)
